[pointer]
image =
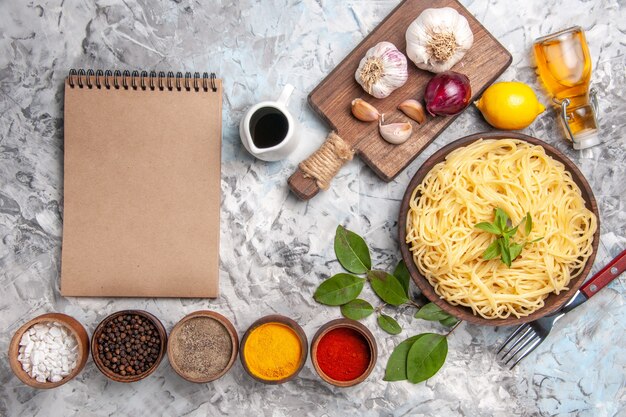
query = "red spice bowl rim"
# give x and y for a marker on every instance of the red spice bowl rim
(234, 338)
(286, 321)
(350, 324)
(133, 378)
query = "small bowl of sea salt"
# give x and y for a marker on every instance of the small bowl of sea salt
(49, 350)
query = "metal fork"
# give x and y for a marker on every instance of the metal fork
(529, 335)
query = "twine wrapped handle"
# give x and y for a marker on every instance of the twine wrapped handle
(324, 164)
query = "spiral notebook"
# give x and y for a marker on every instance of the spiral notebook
(142, 184)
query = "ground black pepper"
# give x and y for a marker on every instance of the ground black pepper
(201, 348)
(129, 344)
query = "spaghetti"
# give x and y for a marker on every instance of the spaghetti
(463, 191)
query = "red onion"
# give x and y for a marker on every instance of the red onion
(447, 93)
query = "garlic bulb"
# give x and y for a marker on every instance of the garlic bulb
(382, 70)
(438, 39)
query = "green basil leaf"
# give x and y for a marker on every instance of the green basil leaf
(505, 239)
(339, 289)
(387, 287)
(528, 227)
(500, 219)
(449, 322)
(431, 312)
(389, 324)
(536, 240)
(402, 275)
(505, 255)
(426, 357)
(515, 249)
(511, 232)
(396, 365)
(492, 251)
(352, 251)
(488, 227)
(357, 309)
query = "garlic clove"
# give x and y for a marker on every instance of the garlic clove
(364, 111)
(395, 133)
(413, 109)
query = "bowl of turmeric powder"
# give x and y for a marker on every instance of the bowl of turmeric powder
(273, 349)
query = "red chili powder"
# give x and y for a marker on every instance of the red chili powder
(343, 354)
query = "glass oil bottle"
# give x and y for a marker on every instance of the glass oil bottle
(564, 67)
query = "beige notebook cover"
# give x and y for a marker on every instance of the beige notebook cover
(142, 187)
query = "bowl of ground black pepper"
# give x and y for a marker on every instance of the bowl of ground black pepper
(127, 346)
(202, 346)
(343, 352)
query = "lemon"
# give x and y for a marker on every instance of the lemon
(509, 105)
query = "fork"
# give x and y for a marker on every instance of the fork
(529, 335)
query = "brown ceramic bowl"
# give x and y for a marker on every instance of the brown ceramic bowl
(554, 301)
(220, 319)
(350, 324)
(128, 378)
(76, 329)
(276, 318)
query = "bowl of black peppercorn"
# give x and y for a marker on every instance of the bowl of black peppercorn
(128, 345)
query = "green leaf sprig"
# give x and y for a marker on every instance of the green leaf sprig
(418, 357)
(352, 251)
(503, 247)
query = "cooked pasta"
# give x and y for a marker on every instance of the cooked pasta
(463, 191)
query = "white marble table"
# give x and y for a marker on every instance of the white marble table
(275, 249)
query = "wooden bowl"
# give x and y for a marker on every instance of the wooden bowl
(363, 331)
(554, 301)
(224, 322)
(128, 378)
(276, 318)
(77, 330)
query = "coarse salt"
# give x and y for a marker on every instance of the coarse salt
(48, 352)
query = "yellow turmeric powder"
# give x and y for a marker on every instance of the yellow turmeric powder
(272, 351)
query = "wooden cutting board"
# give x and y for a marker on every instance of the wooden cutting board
(332, 98)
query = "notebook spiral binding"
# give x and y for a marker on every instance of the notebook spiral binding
(80, 78)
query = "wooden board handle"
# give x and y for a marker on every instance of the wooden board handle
(316, 172)
(606, 275)
(302, 186)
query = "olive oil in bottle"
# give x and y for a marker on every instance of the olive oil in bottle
(564, 67)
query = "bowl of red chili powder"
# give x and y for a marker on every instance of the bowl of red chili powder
(343, 352)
